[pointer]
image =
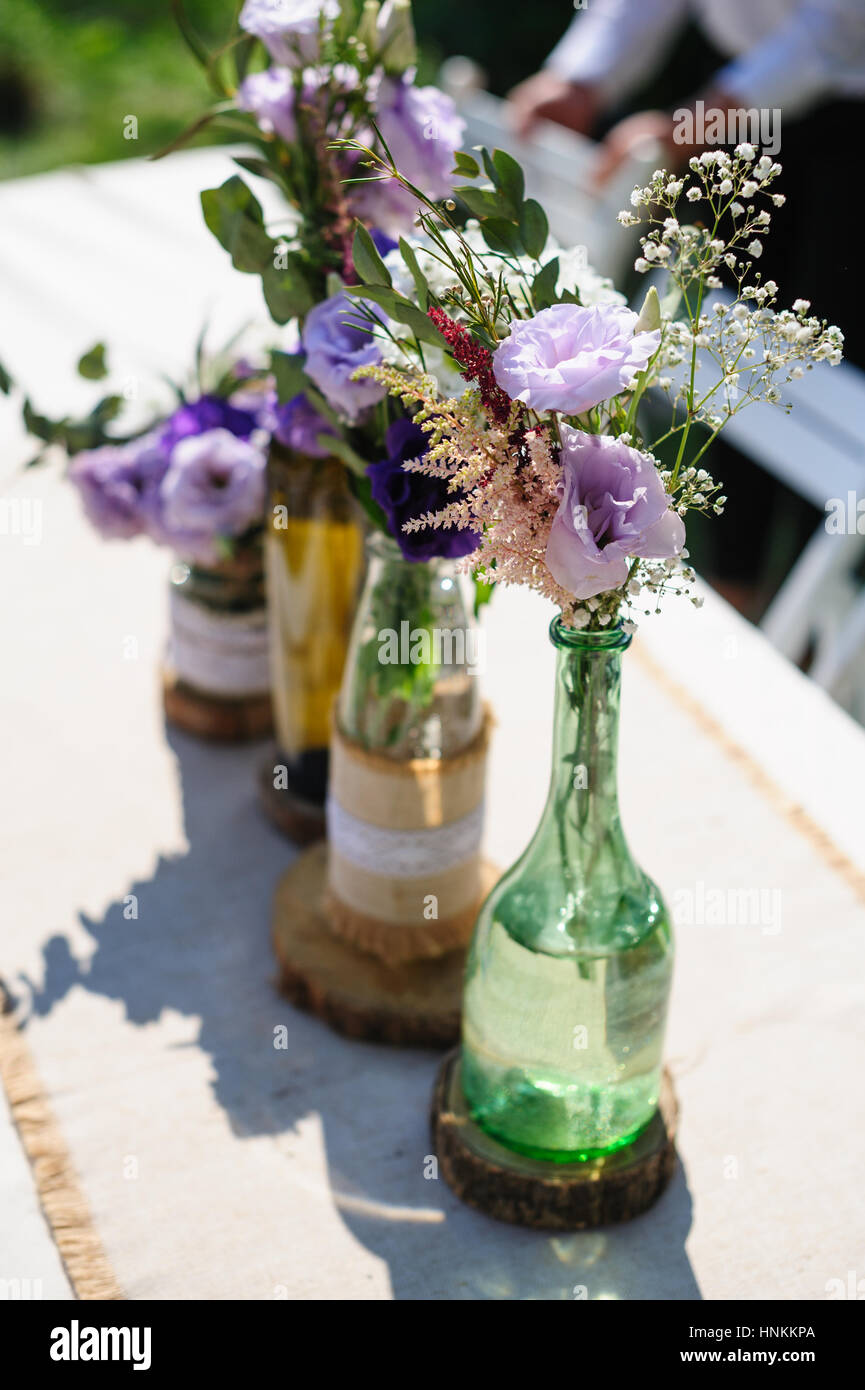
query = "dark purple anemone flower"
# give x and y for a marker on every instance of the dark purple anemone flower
(403, 496)
(207, 413)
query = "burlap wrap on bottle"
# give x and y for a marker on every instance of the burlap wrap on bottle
(405, 874)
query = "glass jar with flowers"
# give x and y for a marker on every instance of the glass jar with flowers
(192, 481)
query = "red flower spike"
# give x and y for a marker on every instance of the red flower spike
(476, 363)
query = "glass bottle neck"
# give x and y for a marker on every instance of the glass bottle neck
(583, 793)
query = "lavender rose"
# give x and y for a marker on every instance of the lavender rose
(423, 130)
(569, 358)
(403, 496)
(119, 485)
(207, 413)
(614, 506)
(289, 29)
(214, 486)
(334, 349)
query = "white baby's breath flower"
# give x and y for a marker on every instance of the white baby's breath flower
(694, 195)
(755, 248)
(801, 306)
(745, 151)
(749, 188)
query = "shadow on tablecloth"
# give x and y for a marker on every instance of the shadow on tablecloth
(201, 947)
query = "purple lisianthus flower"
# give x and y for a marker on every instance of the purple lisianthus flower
(214, 486)
(289, 29)
(383, 243)
(569, 358)
(269, 96)
(272, 98)
(334, 349)
(207, 413)
(403, 496)
(297, 424)
(119, 485)
(613, 507)
(422, 129)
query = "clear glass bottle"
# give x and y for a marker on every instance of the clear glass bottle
(410, 688)
(218, 626)
(314, 553)
(570, 965)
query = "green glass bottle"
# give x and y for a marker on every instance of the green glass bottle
(569, 969)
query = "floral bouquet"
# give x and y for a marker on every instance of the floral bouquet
(543, 457)
(551, 470)
(300, 81)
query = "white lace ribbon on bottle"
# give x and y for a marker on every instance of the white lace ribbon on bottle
(218, 653)
(404, 853)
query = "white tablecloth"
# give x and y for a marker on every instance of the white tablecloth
(217, 1166)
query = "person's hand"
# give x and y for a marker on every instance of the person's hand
(545, 96)
(631, 138)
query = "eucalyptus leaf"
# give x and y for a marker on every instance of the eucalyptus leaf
(510, 177)
(466, 165)
(92, 365)
(233, 214)
(288, 375)
(421, 287)
(534, 228)
(287, 293)
(483, 202)
(501, 236)
(544, 285)
(367, 261)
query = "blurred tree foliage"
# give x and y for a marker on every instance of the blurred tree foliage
(71, 71)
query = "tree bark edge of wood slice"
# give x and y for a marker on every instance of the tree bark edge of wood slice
(219, 719)
(543, 1195)
(301, 821)
(356, 994)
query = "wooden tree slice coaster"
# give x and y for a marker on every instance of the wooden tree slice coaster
(549, 1196)
(223, 719)
(412, 1005)
(299, 820)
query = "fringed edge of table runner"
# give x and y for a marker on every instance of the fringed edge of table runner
(781, 801)
(65, 1207)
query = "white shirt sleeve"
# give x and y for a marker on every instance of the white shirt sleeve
(819, 51)
(615, 44)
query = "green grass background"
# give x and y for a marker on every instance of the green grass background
(71, 70)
